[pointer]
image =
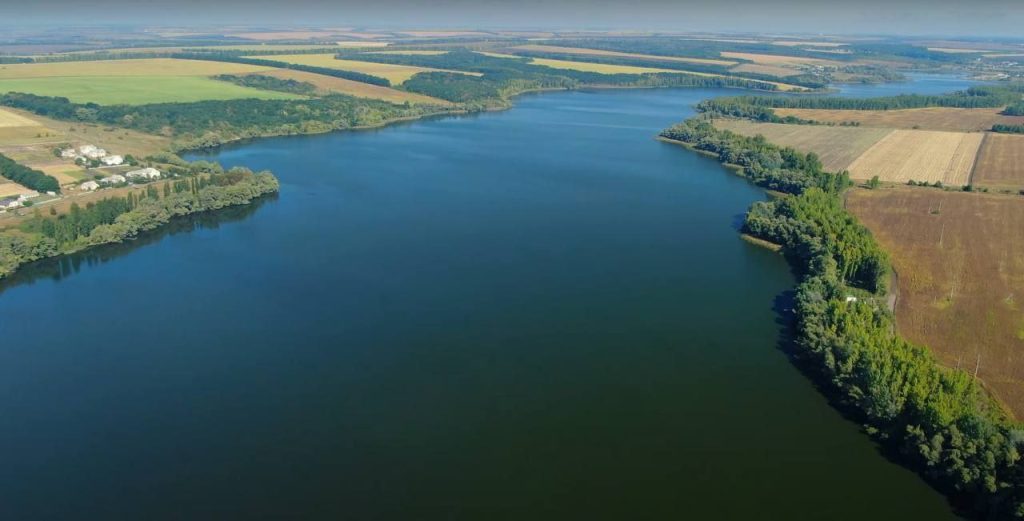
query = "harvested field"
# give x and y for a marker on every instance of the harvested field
(771, 70)
(774, 59)
(108, 68)
(837, 147)
(599, 52)
(12, 119)
(920, 155)
(932, 118)
(116, 141)
(330, 84)
(137, 90)
(802, 43)
(1001, 161)
(601, 68)
(444, 34)
(10, 188)
(288, 35)
(960, 261)
(396, 74)
(410, 53)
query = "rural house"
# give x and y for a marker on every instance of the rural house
(145, 173)
(91, 151)
(114, 179)
(112, 160)
(89, 186)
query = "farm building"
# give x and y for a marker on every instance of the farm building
(69, 153)
(114, 179)
(145, 173)
(89, 186)
(92, 151)
(112, 160)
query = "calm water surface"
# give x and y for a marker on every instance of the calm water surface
(542, 313)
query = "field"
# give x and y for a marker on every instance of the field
(920, 155)
(330, 84)
(12, 119)
(9, 188)
(137, 90)
(1001, 161)
(932, 118)
(601, 68)
(837, 147)
(39, 150)
(598, 52)
(144, 67)
(958, 287)
(396, 74)
(773, 59)
(410, 53)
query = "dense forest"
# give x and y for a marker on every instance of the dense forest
(507, 76)
(27, 177)
(209, 123)
(116, 219)
(260, 81)
(939, 420)
(1008, 129)
(974, 97)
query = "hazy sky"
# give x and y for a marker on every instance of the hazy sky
(911, 17)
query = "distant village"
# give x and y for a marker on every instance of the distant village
(87, 156)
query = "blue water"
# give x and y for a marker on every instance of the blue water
(542, 313)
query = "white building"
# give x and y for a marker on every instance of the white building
(91, 151)
(114, 179)
(112, 160)
(89, 186)
(145, 173)
(69, 153)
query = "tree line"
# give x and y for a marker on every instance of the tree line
(27, 177)
(230, 57)
(973, 97)
(940, 420)
(116, 219)
(264, 82)
(210, 123)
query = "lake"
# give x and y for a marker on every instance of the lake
(542, 313)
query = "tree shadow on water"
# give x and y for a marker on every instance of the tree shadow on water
(63, 266)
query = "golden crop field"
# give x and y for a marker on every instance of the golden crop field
(396, 74)
(599, 52)
(837, 147)
(932, 118)
(959, 258)
(332, 84)
(920, 155)
(1001, 161)
(10, 188)
(144, 67)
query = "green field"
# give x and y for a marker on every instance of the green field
(136, 90)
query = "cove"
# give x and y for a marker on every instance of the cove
(542, 313)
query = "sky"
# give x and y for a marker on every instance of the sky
(903, 17)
